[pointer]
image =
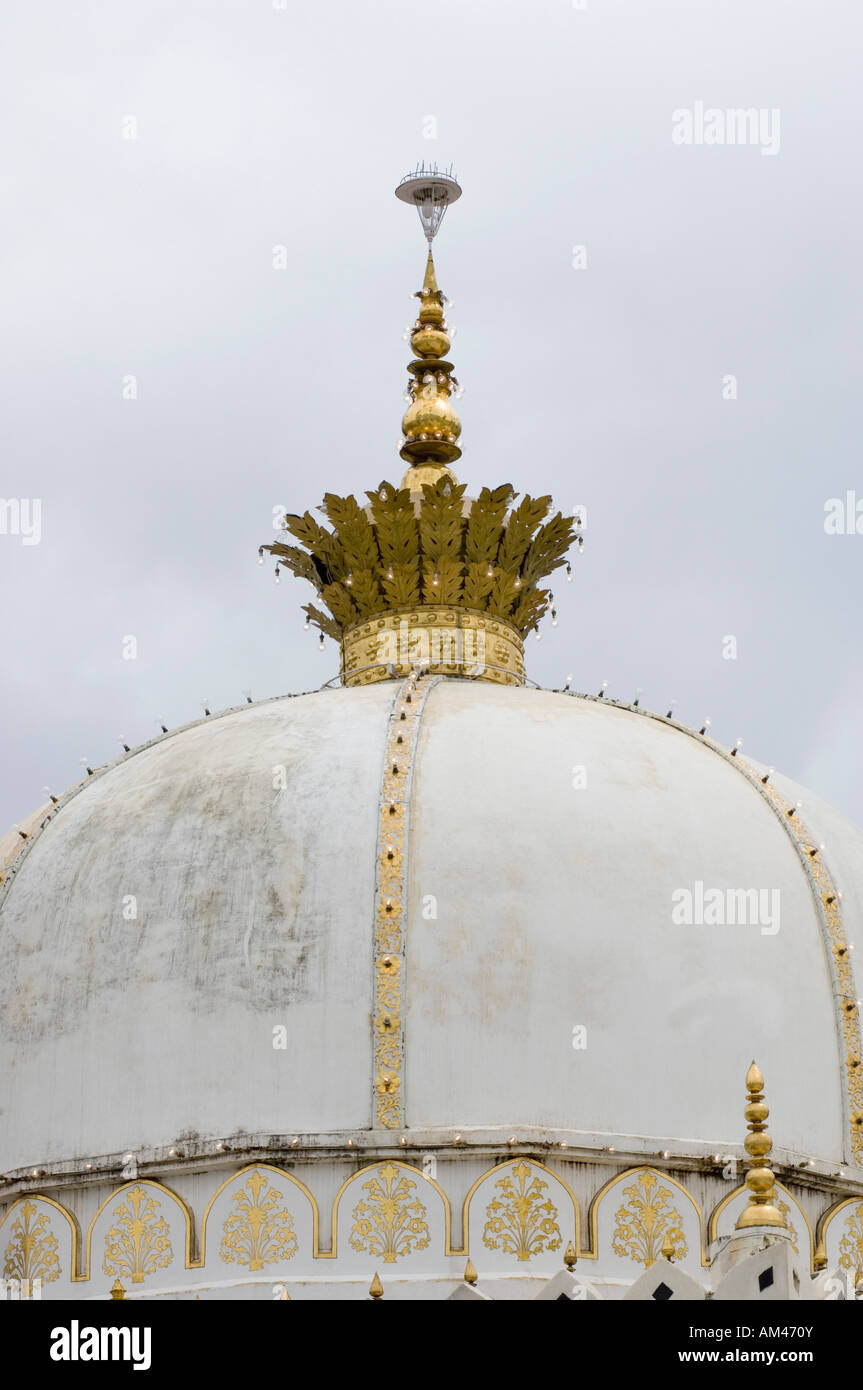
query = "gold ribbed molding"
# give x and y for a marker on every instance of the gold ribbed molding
(445, 641)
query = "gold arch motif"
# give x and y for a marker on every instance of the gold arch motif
(593, 1211)
(248, 1168)
(825, 1220)
(74, 1277)
(160, 1187)
(371, 1167)
(496, 1168)
(713, 1222)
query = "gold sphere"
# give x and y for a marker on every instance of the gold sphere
(758, 1145)
(429, 341)
(756, 1112)
(760, 1180)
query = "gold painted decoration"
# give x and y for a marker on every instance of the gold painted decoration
(646, 1221)
(851, 1241)
(389, 943)
(428, 547)
(139, 1242)
(522, 1221)
(448, 641)
(32, 1252)
(258, 1232)
(785, 1211)
(391, 1222)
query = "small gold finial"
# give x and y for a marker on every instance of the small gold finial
(858, 1284)
(760, 1210)
(117, 1290)
(469, 1273)
(667, 1250)
(376, 1288)
(284, 1296)
(569, 1256)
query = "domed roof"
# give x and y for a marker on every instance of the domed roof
(227, 881)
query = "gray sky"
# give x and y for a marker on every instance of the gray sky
(259, 127)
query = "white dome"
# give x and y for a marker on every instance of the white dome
(256, 910)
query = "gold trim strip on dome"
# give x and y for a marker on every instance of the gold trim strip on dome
(849, 1014)
(388, 1039)
(449, 641)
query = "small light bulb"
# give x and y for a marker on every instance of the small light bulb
(321, 643)
(568, 572)
(307, 624)
(277, 575)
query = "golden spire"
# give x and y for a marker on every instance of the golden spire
(430, 426)
(376, 1288)
(421, 575)
(470, 1274)
(760, 1209)
(569, 1256)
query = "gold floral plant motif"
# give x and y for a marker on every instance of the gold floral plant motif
(520, 1222)
(256, 1234)
(642, 1226)
(139, 1243)
(32, 1251)
(792, 1229)
(486, 554)
(851, 1244)
(389, 1223)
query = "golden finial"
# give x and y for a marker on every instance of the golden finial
(760, 1209)
(430, 426)
(284, 1296)
(667, 1250)
(469, 1273)
(569, 1256)
(858, 1284)
(117, 1290)
(376, 1288)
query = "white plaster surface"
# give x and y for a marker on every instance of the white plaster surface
(554, 910)
(256, 909)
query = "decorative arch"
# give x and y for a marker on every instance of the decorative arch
(637, 1173)
(130, 1187)
(521, 1188)
(283, 1175)
(75, 1235)
(786, 1201)
(414, 1175)
(847, 1243)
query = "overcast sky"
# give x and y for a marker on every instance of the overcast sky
(260, 127)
